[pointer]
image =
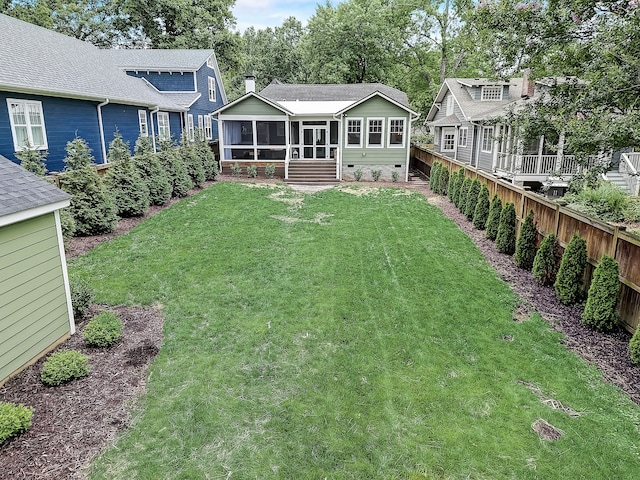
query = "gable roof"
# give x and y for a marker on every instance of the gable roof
(21, 190)
(252, 95)
(39, 61)
(159, 60)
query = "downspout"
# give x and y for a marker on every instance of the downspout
(339, 150)
(153, 129)
(408, 140)
(101, 127)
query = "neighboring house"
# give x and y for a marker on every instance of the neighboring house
(54, 87)
(318, 132)
(35, 301)
(464, 119)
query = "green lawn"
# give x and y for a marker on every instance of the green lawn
(343, 336)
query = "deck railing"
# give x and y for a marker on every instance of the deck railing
(544, 165)
(629, 166)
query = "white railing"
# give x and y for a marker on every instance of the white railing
(544, 165)
(634, 159)
(629, 163)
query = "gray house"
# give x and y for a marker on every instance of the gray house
(35, 300)
(318, 132)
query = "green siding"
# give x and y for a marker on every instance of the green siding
(32, 294)
(252, 106)
(377, 107)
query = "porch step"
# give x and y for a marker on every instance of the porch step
(618, 180)
(312, 172)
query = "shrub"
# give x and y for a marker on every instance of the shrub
(67, 224)
(454, 185)
(270, 170)
(464, 194)
(472, 198)
(14, 420)
(493, 220)
(252, 171)
(33, 161)
(506, 236)
(81, 297)
(481, 211)
(376, 175)
(357, 175)
(103, 330)
(545, 263)
(171, 161)
(568, 284)
(606, 202)
(526, 245)
(91, 206)
(206, 156)
(190, 156)
(395, 176)
(129, 191)
(602, 299)
(64, 366)
(634, 347)
(235, 169)
(148, 165)
(444, 181)
(434, 177)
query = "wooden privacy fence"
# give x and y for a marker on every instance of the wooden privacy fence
(550, 217)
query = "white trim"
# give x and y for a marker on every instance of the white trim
(201, 122)
(65, 273)
(190, 127)
(32, 213)
(451, 131)
(450, 101)
(143, 114)
(379, 94)
(489, 88)
(25, 103)
(248, 118)
(346, 137)
(466, 137)
(404, 132)
(382, 138)
(164, 115)
(406, 167)
(208, 128)
(490, 140)
(103, 144)
(251, 94)
(195, 82)
(210, 81)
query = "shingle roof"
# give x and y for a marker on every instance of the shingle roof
(164, 60)
(476, 110)
(279, 92)
(21, 190)
(40, 61)
(184, 99)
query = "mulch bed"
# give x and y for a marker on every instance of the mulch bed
(72, 423)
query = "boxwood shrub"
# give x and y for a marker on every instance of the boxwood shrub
(14, 420)
(64, 366)
(103, 330)
(81, 297)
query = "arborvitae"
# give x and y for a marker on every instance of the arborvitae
(176, 171)
(568, 284)
(634, 347)
(148, 165)
(444, 181)
(526, 246)
(453, 185)
(481, 211)
(464, 194)
(92, 207)
(129, 191)
(433, 177)
(33, 160)
(506, 236)
(191, 159)
(206, 155)
(472, 198)
(545, 263)
(493, 220)
(459, 183)
(602, 299)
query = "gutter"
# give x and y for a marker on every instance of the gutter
(153, 130)
(101, 127)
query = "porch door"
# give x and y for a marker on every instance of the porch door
(315, 142)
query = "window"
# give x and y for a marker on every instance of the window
(449, 105)
(212, 89)
(200, 122)
(208, 132)
(375, 132)
(164, 131)
(27, 124)
(487, 139)
(396, 132)
(190, 127)
(436, 136)
(448, 139)
(491, 93)
(142, 120)
(463, 134)
(354, 132)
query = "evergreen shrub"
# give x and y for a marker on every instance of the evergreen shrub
(433, 177)
(252, 171)
(33, 160)
(375, 174)
(14, 420)
(206, 155)
(545, 263)
(171, 161)
(395, 176)
(190, 157)
(64, 366)
(103, 330)
(270, 170)
(526, 245)
(444, 181)
(506, 236)
(236, 170)
(453, 186)
(357, 174)
(481, 211)
(151, 171)
(634, 347)
(464, 194)
(81, 297)
(568, 284)
(472, 198)
(493, 219)
(602, 299)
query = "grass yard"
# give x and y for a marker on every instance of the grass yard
(345, 335)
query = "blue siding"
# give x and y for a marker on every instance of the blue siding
(203, 106)
(167, 81)
(124, 119)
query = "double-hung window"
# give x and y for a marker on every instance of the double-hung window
(212, 89)
(396, 132)
(487, 139)
(142, 121)
(27, 124)
(463, 134)
(375, 132)
(208, 132)
(164, 130)
(190, 127)
(448, 139)
(354, 132)
(200, 122)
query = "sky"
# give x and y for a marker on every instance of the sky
(270, 13)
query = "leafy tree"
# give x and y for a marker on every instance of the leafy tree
(481, 211)
(176, 171)
(545, 263)
(192, 161)
(526, 245)
(506, 236)
(129, 191)
(602, 299)
(148, 165)
(472, 198)
(493, 220)
(568, 284)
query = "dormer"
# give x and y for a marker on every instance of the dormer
(483, 90)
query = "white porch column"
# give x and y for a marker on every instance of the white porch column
(540, 150)
(560, 154)
(496, 147)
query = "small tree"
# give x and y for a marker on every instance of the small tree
(464, 194)
(472, 198)
(634, 347)
(481, 211)
(568, 284)
(493, 220)
(506, 236)
(176, 171)
(526, 246)
(91, 206)
(602, 299)
(148, 165)
(190, 156)
(129, 191)
(545, 263)
(33, 160)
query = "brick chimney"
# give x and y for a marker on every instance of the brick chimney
(528, 86)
